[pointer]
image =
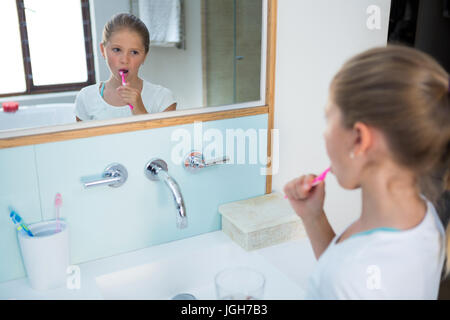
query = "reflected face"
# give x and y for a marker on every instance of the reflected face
(339, 144)
(124, 51)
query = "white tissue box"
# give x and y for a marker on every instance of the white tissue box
(261, 222)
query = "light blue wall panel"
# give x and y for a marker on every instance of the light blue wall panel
(18, 188)
(106, 221)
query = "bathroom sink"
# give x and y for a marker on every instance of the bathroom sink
(192, 271)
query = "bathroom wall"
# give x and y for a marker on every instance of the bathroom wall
(106, 221)
(314, 38)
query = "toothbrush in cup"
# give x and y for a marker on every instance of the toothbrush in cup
(317, 180)
(17, 219)
(58, 204)
(122, 74)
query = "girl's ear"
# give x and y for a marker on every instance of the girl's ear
(102, 50)
(364, 138)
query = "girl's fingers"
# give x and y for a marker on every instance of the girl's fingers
(290, 189)
(287, 190)
(293, 189)
(127, 93)
(299, 188)
(303, 188)
(125, 89)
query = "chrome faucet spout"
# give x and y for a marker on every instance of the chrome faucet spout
(157, 170)
(177, 197)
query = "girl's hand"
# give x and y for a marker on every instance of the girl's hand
(307, 201)
(132, 96)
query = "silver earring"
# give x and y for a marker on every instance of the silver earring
(352, 155)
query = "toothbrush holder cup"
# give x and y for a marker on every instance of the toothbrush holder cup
(46, 255)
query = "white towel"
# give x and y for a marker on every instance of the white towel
(163, 20)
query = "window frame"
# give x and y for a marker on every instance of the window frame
(33, 89)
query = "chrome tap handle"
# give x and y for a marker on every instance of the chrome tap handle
(114, 176)
(221, 160)
(195, 161)
(101, 182)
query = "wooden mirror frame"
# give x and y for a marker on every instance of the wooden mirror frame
(267, 108)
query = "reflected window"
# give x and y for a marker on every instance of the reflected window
(49, 46)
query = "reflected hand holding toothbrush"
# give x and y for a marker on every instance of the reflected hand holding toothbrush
(122, 74)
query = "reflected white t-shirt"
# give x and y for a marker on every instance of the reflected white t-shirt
(90, 105)
(383, 264)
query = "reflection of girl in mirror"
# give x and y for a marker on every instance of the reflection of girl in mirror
(388, 134)
(125, 46)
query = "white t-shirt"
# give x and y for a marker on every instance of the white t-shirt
(90, 105)
(383, 264)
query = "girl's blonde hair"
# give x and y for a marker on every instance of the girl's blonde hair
(404, 93)
(126, 20)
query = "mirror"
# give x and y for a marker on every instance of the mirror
(217, 62)
(208, 108)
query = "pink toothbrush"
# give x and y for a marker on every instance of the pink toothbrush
(317, 180)
(322, 176)
(58, 204)
(122, 74)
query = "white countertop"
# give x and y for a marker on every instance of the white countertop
(294, 259)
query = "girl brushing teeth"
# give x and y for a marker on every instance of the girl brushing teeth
(388, 134)
(125, 47)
